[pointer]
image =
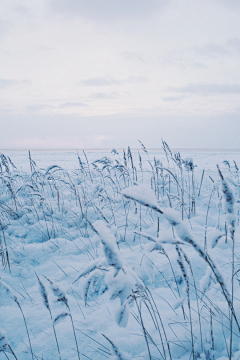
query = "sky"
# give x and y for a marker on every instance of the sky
(87, 74)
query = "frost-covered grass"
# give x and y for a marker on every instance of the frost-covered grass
(121, 256)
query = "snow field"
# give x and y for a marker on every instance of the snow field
(133, 255)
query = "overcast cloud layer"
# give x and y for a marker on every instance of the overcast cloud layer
(105, 73)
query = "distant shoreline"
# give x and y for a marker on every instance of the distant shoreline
(120, 149)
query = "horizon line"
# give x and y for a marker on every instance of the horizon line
(110, 149)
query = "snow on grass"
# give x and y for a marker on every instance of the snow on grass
(124, 276)
(142, 194)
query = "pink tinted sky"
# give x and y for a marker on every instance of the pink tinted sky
(105, 73)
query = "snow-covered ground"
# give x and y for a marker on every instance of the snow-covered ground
(97, 262)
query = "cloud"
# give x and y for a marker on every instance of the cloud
(210, 50)
(106, 81)
(45, 48)
(134, 56)
(107, 10)
(39, 107)
(230, 4)
(207, 89)
(3, 26)
(201, 55)
(21, 9)
(173, 98)
(99, 81)
(234, 44)
(71, 104)
(102, 96)
(5, 83)
(135, 80)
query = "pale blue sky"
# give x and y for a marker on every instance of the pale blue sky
(105, 73)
